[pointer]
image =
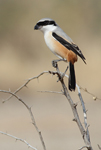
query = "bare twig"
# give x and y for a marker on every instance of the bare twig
(99, 147)
(36, 77)
(82, 147)
(85, 114)
(51, 92)
(19, 139)
(25, 85)
(31, 115)
(94, 97)
(85, 133)
(85, 90)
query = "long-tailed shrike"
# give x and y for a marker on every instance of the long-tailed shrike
(61, 45)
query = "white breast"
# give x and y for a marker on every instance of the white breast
(49, 41)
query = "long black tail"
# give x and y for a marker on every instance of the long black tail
(72, 80)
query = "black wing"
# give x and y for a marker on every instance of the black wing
(70, 46)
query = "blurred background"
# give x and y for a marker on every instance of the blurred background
(24, 54)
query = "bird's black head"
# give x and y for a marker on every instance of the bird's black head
(44, 22)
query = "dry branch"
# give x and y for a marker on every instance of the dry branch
(99, 147)
(36, 77)
(31, 115)
(84, 131)
(18, 139)
(94, 97)
(25, 85)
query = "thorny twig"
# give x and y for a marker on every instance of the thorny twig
(31, 115)
(25, 85)
(85, 90)
(84, 132)
(36, 77)
(18, 139)
(99, 147)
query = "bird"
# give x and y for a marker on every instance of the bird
(61, 45)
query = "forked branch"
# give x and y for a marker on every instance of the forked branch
(31, 115)
(84, 131)
(18, 139)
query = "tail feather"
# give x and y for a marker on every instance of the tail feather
(72, 79)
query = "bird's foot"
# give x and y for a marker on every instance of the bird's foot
(54, 63)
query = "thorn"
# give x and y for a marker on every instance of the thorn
(26, 86)
(88, 125)
(75, 120)
(86, 110)
(30, 107)
(58, 80)
(99, 147)
(75, 105)
(94, 98)
(15, 140)
(49, 72)
(83, 134)
(39, 132)
(62, 92)
(33, 123)
(87, 128)
(38, 80)
(85, 90)
(82, 147)
(3, 101)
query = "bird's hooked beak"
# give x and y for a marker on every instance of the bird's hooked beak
(36, 27)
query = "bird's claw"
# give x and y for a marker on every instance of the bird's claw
(54, 64)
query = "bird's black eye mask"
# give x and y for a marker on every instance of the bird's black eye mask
(47, 22)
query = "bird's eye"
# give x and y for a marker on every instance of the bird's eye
(46, 22)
